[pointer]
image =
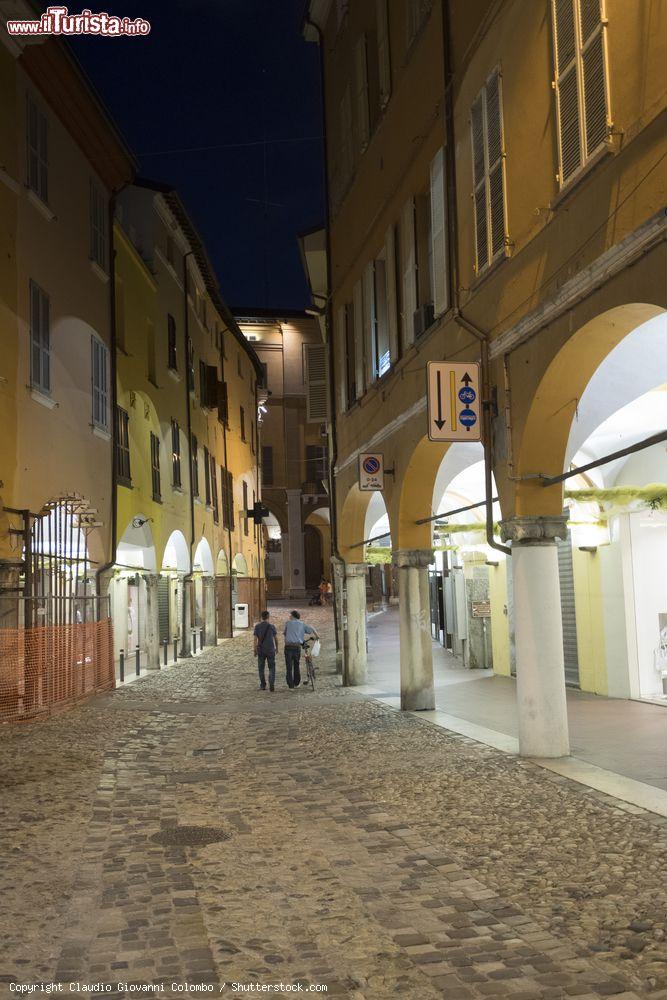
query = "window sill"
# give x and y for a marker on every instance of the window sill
(121, 481)
(179, 490)
(42, 398)
(583, 172)
(99, 271)
(172, 372)
(100, 432)
(489, 270)
(157, 499)
(40, 205)
(197, 500)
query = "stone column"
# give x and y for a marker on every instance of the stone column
(338, 582)
(355, 659)
(152, 622)
(297, 563)
(417, 692)
(540, 669)
(208, 592)
(186, 617)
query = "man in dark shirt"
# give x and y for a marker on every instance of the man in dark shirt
(266, 647)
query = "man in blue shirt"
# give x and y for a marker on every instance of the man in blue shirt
(266, 647)
(295, 632)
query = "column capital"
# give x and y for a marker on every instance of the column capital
(412, 558)
(355, 569)
(151, 578)
(534, 529)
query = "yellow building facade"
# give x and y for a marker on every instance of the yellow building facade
(187, 443)
(496, 195)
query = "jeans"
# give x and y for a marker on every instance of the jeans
(292, 658)
(261, 660)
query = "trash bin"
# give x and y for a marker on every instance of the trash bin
(241, 616)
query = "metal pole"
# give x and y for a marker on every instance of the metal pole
(137, 653)
(175, 648)
(201, 638)
(165, 644)
(122, 665)
(193, 633)
(630, 450)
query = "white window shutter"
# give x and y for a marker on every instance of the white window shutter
(392, 305)
(384, 52)
(439, 233)
(494, 153)
(316, 383)
(479, 182)
(342, 358)
(359, 339)
(566, 87)
(370, 339)
(363, 112)
(595, 94)
(408, 264)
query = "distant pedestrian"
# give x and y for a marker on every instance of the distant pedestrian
(328, 597)
(323, 591)
(295, 632)
(266, 647)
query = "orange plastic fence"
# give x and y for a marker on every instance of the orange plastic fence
(45, 669)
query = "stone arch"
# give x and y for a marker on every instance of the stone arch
(415, 495)
(222, 564)
(176, 554)
(204, 558)
(545, 435)
(352, 523)
(136, 547)
(240, 565)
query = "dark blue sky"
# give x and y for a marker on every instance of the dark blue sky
(223, 73)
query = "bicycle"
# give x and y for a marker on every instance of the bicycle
(310, 666)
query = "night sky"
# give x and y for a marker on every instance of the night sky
(223, 73)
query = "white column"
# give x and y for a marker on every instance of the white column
(208, 593)
(417, 692)
(354, 664)
(186, 617)
(152, 623)
(338, 579)
(297, 584)
(540, 668)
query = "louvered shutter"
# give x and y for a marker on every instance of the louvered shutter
(408, 264)
(392, 305)
(494, 144)
(363, 111)
(370, 319)
(358, 305)
(567, 90)
(479, 183)
(384, 52)
(316, 382)
(439, 233)
(341, 326)
(593, 75)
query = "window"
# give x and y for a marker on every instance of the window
(439, 276)
(207, 476)
(418, 11)
(408, 272)
(37, 151)
(265, 374)
(40, 339)
(381, 346)
(191, 366)
(488, 174)
(195, 465)
(176, 455)
(203, 393)
(424, 261)
(227, 488)
(214, 490)
(267, 465)
(172, 357)
(315, 463)
(155, 467)
(99, 365)
(363, 108)
(245, 508)
(582, 98)
(317, 408)
(223, 403)
(349, 354)
(98, 225)
(252, 436)
(242, 415)
(123, 447)
(384, 51)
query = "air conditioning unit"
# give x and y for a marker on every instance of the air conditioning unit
(423, 318)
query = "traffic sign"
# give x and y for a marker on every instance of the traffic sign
(454, 404)
(371, 471)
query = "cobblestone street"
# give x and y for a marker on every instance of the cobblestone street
(192, 829)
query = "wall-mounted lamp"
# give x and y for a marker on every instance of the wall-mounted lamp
(588, 548)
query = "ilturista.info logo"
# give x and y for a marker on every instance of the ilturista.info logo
(59, 21)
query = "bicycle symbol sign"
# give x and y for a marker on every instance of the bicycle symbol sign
(467, 395)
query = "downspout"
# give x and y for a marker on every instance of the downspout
(224, 517)
(333, 440)
(187, 579)
(113, 372)
(258, 494)
(482, 337)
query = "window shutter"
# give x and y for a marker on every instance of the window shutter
(342, 359)
(358, 302)
(384, 52)
(567, 98)
(439, 233)
(370, 319)
(316, 382)
(494, 141)
(363, 111)
(595, 95)
(211, 386)
(392, 305)
(408, 262)
(479, 181)
(223, 407)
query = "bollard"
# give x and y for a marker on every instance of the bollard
(194, 641)
(201, 638)
(165, 643)
(122, 666)
(175, 648)
(137, 653)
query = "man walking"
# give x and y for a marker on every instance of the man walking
(266, 647)
(295, 632)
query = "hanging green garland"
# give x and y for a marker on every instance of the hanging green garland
(653, 495)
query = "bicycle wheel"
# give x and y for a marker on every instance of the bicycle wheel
(311, 672)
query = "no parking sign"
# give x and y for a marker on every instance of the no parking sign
(371, 471)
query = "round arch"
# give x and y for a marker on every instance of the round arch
(222, 564)
(352, 522)
(415, 496)
(176, 555)
(240, 565)
(204, 558)
(545, 440)
(136, 547)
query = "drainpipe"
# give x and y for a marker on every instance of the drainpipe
(329, 323)
(454, 270)
(186, 333)
(229, 530)
(113, 369)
